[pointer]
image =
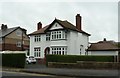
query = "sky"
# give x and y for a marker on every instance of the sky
(100, 19)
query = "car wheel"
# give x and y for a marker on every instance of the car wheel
(34, 62)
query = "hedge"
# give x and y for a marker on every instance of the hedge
(16, 60)
(75, 58)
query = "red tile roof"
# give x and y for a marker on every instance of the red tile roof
(64, 24)
(40, 31)
(103, 46)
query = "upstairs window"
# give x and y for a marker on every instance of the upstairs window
(37, 38)
(19, 33)
(48, 37)
(58, 35)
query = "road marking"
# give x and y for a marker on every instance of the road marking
(30, 74)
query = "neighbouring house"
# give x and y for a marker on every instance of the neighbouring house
(104, 47)
(13, 39)
(59, 38)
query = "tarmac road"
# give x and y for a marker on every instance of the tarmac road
(9, 74)
(36, 71)
(80, 73)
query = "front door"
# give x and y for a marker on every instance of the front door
(47, 51)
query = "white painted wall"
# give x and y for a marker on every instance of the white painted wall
(103, 53)
(44, 44)
(73, 42)
(56, 26)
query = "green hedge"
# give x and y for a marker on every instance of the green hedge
(74, 58)
(13, 60)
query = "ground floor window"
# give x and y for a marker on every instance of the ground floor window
(37, 51)
(59, 50)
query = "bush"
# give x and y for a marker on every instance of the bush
(75, 58)
(13, 60)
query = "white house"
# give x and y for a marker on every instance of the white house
(60, 38)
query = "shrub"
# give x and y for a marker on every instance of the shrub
(75, 58)
(13, 60)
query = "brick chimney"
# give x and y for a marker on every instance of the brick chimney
(39, 25)
(78, 22)
(104, 39)
(3, 27)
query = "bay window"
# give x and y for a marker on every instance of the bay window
(58, 35)
(59, 50)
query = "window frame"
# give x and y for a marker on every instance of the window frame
(48, 38)
(37, 38)
(19, 44)
(57, 35)
(59, 50)
(37, 52)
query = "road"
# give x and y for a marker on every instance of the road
(86, 73)
(9, 74)
(59, 71)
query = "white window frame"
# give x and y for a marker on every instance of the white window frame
(37, 38)
(19, 44)
(59, 50)
(48, 37)
(37, 52)
(55, 35)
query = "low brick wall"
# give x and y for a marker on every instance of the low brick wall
(41, 61)
(98, 65)
(86, 65)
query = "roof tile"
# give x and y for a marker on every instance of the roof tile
(65, 24)
(102, 45)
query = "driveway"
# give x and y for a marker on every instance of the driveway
(35, 66)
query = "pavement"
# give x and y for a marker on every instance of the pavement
(82, 73)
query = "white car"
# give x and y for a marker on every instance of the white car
(30, 59)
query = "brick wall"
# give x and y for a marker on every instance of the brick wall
(11, 47)
(86, 65)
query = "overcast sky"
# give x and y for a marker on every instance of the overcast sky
(100, 19)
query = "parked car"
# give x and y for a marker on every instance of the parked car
(30, 59)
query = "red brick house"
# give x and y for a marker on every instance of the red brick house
(13, 39)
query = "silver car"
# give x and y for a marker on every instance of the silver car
(30, 59)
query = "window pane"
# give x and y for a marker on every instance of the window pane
(59, 52)
(37, 51)
(63, 52)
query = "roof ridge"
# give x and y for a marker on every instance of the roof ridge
(7, 31)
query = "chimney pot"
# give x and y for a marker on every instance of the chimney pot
(78, 22)
(3, 27)
(39, 25)
(104, 39)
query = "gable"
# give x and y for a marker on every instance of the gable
(56, 26)
(17, 34)
(7, 31)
